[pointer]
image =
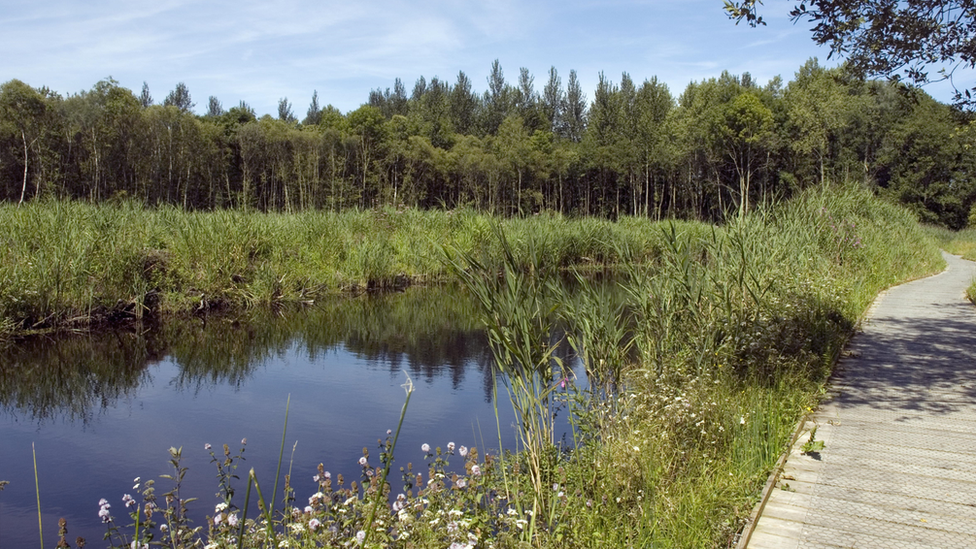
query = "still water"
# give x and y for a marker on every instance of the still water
(100, 410)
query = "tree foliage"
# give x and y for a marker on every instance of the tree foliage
(721, 146)
(896, 38)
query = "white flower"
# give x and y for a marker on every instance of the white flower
(232, 520)
(463, 451)
(425, 448)
(362, 461)
(360, 536)
(450, 446)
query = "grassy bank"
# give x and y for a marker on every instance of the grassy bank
(733, 331)
(64, 264)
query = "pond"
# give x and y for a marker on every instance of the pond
(102, 409)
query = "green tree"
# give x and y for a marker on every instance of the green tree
(145, 98)
(572, 122)
(463, 105)
(888, 37)
(214, 108)
(179, 98)
(23, 109)
(285, 113)
(368, 132)
(817, 109)
(314, 114)
(747, 125)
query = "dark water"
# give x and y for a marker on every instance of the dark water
(101, 410)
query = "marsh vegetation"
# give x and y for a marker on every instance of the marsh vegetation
(689, 387)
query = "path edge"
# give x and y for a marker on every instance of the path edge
(745, 535)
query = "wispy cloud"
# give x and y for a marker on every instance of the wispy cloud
(261, 51)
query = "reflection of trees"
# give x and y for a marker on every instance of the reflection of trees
(432, 332)
(73, 377)
(429, 329)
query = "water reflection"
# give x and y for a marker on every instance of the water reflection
(429, 332)
(102, 409)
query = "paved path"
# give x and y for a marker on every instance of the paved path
(898, 466)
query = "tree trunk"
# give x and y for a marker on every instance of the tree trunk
(23, 188)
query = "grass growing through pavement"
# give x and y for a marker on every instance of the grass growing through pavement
(734, 331)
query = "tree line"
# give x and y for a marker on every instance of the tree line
(722, 146)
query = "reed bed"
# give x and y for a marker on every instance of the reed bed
(68, 264)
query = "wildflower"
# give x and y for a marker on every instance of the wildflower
(207, 446)
(475, 470)
(360, 536)
(220, 507)
(244, 441)
(742, 420)
(389, 432)
(450, 447)
(362, 461)
(461, 483)
(425, 448)
(219, 517)
(128, 501)
(103, 503)
(463, 451)
(314, 524)
(232, 520)
(103, 514)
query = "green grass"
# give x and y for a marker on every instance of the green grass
(63, 264)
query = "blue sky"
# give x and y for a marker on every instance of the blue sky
(262, 51)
